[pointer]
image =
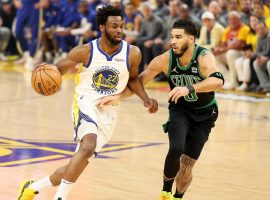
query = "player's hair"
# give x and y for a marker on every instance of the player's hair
(188, 26)
(105, 11)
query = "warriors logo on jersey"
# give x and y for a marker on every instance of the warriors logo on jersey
(105, 80)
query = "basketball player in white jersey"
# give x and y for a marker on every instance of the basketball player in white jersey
(106, 66)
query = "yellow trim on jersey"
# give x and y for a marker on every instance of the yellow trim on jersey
(75, 109)
(75, 106)
(80, 67)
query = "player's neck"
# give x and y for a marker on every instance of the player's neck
(187, 56)
(107, 46)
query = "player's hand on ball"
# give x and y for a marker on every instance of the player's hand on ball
(46, 79)
(152, 105)
(178, 92)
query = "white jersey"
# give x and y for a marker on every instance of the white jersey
(104, 75)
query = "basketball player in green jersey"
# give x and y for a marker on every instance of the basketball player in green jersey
(192, 76)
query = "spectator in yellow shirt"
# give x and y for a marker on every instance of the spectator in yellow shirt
(258, 10)
(232, 43)
(242, 64)
(211, 31)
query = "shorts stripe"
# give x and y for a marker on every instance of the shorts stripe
(84, 117)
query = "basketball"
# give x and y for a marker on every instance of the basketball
(46, 79)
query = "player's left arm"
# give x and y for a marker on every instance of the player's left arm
(214, 79)
(135, 83)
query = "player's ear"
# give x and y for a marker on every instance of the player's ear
(102, 28)
(191, 39)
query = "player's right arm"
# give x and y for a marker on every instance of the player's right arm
(157, 65)
(77, 55)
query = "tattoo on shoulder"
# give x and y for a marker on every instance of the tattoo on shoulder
(205, 53)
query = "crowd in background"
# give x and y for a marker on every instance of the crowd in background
(236, 31)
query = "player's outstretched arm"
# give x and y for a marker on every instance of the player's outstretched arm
(157, 65)
(135, 84)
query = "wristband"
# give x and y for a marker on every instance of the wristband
(190, 89)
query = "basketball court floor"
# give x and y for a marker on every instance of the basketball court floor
(36, 137)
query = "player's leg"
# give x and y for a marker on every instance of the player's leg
(21, 22)
(177, 131)
(64, 176)
(76, 166)
(198, 134)
(34, 24)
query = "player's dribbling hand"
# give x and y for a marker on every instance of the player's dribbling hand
(109, 100)
(178, 92)
(152, 105)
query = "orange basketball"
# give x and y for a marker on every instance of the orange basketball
(46, 79)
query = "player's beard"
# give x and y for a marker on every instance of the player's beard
(112, 41)
(182, 50)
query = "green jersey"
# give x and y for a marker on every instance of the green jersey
(179, 76)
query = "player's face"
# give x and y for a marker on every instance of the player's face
(180, 41)
(114, 29)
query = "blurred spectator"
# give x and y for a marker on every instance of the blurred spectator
(5, 29)
(168, 23)
(151, 28)
(68, 18)
(233, 41)
(223, 6)
(84, 30)
(262, 64)
(94, 5)
(161, 9)
(48, 42)
(27, 16)
(211, 31)
(184, 13)
(265, 8)
(8, 13)
(132, 23)
(135, 3)
(162, 43)
(242, 63)
(197, 9)
(245, 10)
(116, 3)
(189, 3)
(232, 5)
(215, 8)
(258, 11)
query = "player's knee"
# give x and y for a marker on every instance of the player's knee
(88, 146)
(87, 151)
(176, 151)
